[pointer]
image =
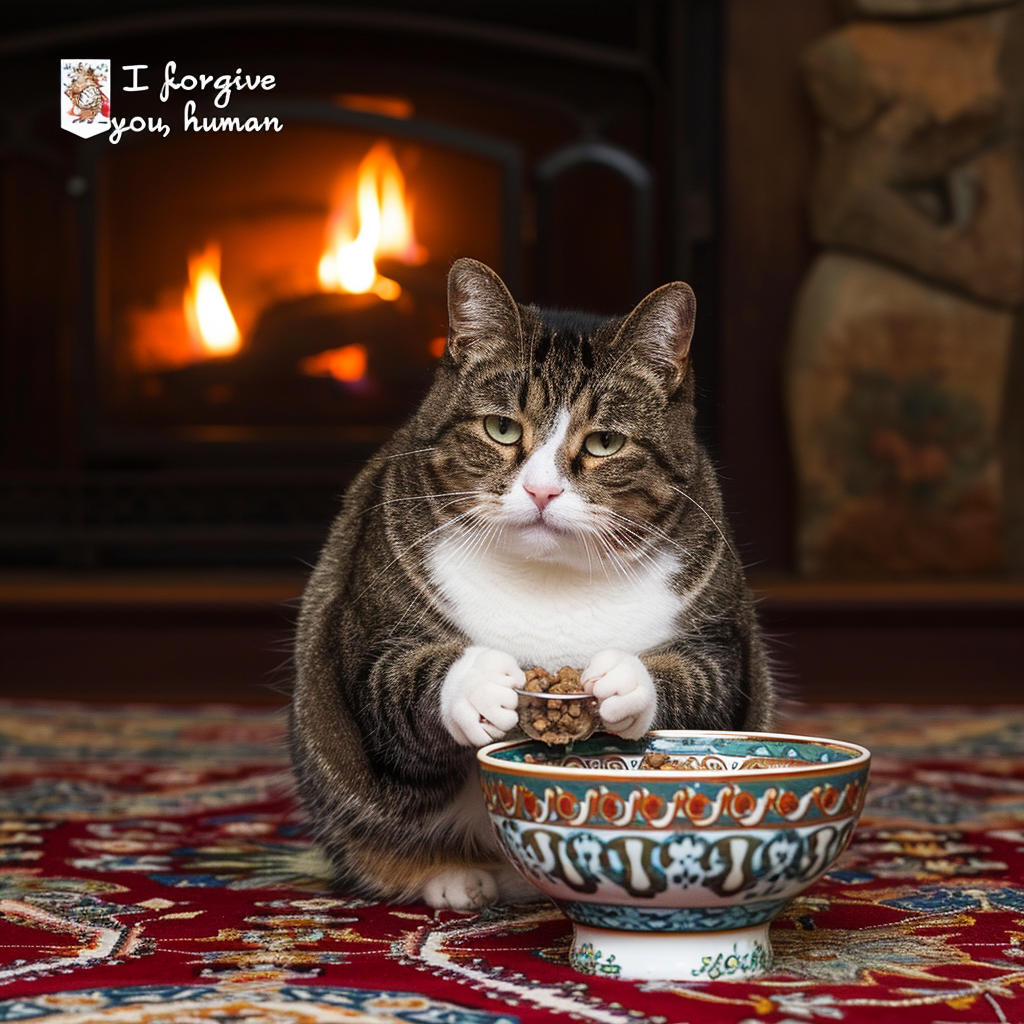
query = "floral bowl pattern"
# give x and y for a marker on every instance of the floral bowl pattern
(674, 872)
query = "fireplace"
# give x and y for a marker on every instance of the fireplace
(208, 331)
(301, 296)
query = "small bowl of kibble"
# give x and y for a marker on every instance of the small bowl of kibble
(673, 853)
(554, 707)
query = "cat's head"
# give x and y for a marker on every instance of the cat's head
(567, 432)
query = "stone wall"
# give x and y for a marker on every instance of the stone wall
(902, 341)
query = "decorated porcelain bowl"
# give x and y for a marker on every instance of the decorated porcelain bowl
(674, 872)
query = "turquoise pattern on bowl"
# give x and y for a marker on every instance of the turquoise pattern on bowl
(661, 868)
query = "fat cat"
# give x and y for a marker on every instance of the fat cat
(548, 504)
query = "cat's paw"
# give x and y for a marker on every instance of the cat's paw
(461, 889)
(478, 699)
(625, 689)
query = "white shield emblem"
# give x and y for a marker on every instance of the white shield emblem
(85, 96)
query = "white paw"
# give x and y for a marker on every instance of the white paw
(625, 689)
(460, 889)
(478, 699)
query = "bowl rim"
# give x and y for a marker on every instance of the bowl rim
(862, 757)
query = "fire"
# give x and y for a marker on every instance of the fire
(211, 325)
(345, 364)
(384, 214)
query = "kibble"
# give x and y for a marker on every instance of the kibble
(656, 759)
(557, 721)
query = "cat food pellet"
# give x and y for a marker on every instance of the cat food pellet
(656, 759)
(663, 762)
(556, 721)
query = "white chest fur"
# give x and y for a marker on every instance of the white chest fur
(544, 614)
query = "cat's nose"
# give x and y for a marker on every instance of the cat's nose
(542, 494)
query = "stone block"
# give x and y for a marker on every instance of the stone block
(894, 391)
(913, 167)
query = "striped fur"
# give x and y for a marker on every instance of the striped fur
(389, 792)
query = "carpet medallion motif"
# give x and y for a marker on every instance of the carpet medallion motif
(154, 868)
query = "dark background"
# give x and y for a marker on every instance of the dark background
(739, 233)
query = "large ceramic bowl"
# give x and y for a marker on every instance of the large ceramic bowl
(674, 874)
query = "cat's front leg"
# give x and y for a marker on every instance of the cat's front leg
(478, 699)
(626, 691)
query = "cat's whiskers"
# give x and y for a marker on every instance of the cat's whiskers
(598, 534)
(711, 520)
(415, 451)
(455, 496)
(582, 534)
(423, 605)
(648, 550)
(417, 497)
(643, 554)
(597, 555)
(480, 542)
(470, 542)
(699, 572)
(634, 563)
(647, 535)
(497, 534)
(618, 563)
(492, 531)
(650, 561)
(613, 536)
(406, 551)
(617, 532)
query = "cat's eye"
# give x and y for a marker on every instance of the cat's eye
(502, 429)
(603, 442)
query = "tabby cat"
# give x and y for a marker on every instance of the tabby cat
(548, 504)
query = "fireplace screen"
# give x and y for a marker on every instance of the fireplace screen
(247, 284)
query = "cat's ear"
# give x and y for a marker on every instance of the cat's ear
(481, 312)
(660, 329)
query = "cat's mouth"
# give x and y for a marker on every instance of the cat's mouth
(543, 525)
(541, 536)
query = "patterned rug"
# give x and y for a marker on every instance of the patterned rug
(153, 868)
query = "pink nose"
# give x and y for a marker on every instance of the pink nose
(542, 494)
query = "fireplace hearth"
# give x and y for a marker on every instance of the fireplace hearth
(206, 332)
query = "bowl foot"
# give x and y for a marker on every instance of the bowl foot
(672, 956)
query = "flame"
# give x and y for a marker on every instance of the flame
(211, 325)
(385, 229)
(344, 364)
(389, 106)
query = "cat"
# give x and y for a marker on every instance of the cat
(548, 504)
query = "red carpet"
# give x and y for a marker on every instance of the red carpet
(153, 868)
